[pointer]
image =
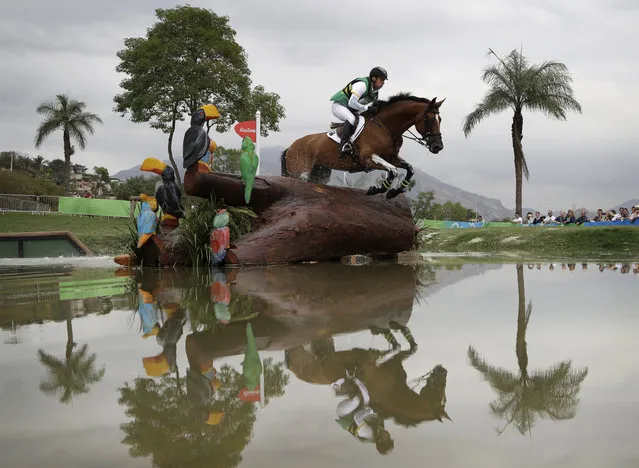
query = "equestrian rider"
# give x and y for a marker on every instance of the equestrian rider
(358, 95)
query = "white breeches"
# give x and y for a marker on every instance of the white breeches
(343, 113)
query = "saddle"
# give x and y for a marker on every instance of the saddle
(337, 127)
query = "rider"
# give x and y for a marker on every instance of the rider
(359, 95)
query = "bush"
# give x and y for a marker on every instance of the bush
(14, 182)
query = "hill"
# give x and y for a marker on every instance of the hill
(489, 208)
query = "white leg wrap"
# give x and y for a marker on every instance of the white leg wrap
(381, 161)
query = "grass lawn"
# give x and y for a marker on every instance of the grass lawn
(104, 236)
(540, 243)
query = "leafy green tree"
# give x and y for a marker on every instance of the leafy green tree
(523, 397)
(188, 58)
(103, 173)
(68, 115)
(516, 85)
(56, 171)
(134, 186)
(424, 208)
(227, 160)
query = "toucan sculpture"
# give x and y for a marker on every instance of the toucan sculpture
(168, 195)
(147, 220)
(196, 140)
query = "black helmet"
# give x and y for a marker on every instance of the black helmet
(379, 72)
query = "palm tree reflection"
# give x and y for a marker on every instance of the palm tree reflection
(525, 396)
(72, 375)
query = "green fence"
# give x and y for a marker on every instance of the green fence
(94, 207)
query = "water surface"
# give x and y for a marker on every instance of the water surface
(480, 365)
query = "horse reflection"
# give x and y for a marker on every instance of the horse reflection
(377, 381)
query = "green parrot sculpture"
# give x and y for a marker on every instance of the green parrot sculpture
(249, 160)
(252, 365)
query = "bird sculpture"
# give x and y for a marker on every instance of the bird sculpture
(252, 364)
(220, 237)
(147, 221)
(221, 295)
(249, 160)
(168, 194)
(196, 140)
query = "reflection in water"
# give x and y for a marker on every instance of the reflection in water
(73, 375)
(551, 393)
(235, 312)
(211, 418)
(375, 384)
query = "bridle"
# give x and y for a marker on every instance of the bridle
(428, 137)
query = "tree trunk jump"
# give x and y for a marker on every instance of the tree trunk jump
(300, 221)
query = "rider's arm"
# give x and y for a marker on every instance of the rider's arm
(357, 92)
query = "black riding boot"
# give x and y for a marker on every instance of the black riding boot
(346, 147)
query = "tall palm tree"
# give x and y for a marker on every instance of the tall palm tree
(69, 116)
(521, 398)
(72, 375)
(516, 85)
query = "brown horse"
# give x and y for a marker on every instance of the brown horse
(382, 372)
(312, 157)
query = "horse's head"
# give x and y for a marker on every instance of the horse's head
(428, 126)
(434, 392)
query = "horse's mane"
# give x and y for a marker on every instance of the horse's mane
(404, 96)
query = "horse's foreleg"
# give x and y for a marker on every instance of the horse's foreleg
(404, 184)
(391, 172)
(406, 333)
(387, 334)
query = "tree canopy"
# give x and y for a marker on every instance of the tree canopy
(189, 58)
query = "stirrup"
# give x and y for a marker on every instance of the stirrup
(346, 149)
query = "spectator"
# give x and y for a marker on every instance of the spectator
(582, 219)
(529, 218)
(538, 219)
(569, 218)
(550, 218)
(517, 219)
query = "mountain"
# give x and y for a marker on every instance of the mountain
(489, 208)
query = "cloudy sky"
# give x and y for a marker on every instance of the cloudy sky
(305, 51)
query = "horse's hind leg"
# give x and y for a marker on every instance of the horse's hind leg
(386, 183)
(320, 174)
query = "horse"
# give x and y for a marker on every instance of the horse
(376, 140)
(382, 372)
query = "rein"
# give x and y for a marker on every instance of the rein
(423, 140)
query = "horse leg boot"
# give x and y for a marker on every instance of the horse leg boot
(346, 148)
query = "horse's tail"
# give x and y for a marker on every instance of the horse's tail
(284, 170)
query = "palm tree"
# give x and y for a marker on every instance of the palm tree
(516, 85)
(521, 398)
(69, 116)
(72, 375)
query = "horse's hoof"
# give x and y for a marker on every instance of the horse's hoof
(373, 191)
(392, 193)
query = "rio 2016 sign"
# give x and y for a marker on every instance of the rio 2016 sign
(246, 129)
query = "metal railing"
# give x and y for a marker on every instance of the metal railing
(34, 204)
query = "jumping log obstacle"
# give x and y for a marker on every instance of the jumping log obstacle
(300, 221)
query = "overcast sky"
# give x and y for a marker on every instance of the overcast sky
(305, 51)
